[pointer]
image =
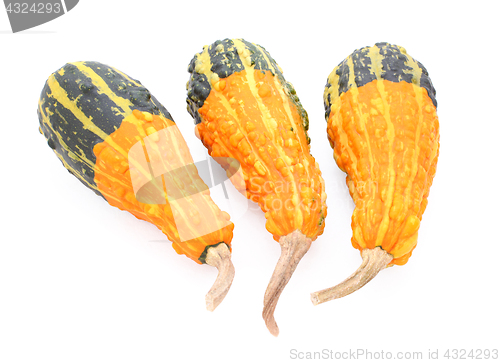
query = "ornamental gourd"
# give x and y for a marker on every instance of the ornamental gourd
(244, 109)
(382, 125)
(119, 141)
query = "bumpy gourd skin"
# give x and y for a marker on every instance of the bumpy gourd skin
(382, 124)
(92, 115)
(244, 109)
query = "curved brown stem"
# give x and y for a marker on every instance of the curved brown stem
(219, 257)
(293, 247)
(374, 261)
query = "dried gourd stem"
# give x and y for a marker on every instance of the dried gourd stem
(293, 247)
(374, 261)
(219, 257)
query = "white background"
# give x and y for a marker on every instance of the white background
(81, 281)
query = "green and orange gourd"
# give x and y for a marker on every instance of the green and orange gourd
(382, 125)
(246, 111)
(119, 141)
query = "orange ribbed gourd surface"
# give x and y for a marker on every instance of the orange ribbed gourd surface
(246, 111)
(383, 127)
(385, 135)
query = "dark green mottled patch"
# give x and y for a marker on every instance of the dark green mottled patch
(225, 61)
(363, 68)
(425, 82)
(198, 90)
(395, 66)
(224, 58)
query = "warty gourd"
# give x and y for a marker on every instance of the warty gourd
(244, 109)
(382, 125)
(119, 141)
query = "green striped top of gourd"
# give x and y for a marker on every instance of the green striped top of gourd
(226, 60)
(84, 102)
(382, 61)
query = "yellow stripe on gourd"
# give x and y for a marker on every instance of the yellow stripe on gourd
(269, 122)
(103, 88)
